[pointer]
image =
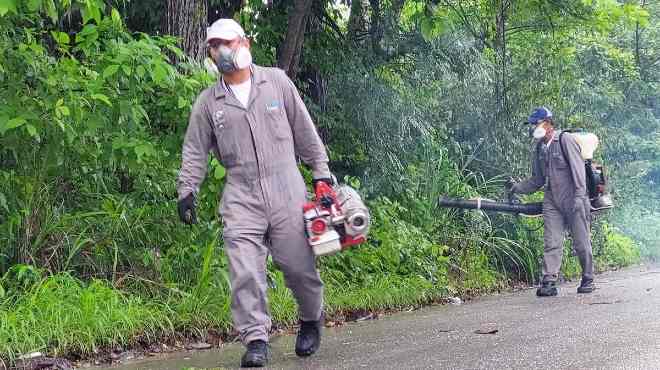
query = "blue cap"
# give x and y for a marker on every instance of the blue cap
(539, 114)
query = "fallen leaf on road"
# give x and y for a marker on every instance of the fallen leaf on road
(617, 301)
(370, 316)
(486, 331)
(201, 345)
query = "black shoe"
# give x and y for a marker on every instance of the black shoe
(547, 289)
(257, 354)
(309, 337)
(586, 286)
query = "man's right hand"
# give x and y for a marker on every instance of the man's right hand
(510, 191)
(187, 210)
(509, 185)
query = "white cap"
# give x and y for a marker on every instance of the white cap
(225, 29)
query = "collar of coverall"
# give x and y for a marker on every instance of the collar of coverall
(555, 137)
(258, 77)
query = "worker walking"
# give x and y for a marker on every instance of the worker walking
(557, 165)
(256, 124)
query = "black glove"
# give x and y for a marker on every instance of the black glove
(508, 184)
(510, 191)
(187, 210)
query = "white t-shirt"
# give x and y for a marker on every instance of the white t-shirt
(242, 91)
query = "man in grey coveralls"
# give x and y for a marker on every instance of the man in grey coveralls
(256, 124)
(565, 202)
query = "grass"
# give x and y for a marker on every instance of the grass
(60, 314)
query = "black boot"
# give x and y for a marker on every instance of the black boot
(257, 354)
(547, 289)
(309, 337)
(586, 286)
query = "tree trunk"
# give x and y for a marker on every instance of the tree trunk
(638, 41)
(356, 22)
(224, 9)
(500, 49)
(376, 29)
(291, 49)
(187, 19)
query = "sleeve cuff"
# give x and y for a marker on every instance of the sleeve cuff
(184, 192)
(321, 171)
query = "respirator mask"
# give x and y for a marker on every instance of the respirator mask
(230, 60)
(539, 131)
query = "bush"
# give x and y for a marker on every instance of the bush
(616, 250)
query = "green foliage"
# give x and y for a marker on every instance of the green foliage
(616, 250)
(398, 248)
(60, 314)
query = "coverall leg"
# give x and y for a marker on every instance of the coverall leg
(277, 228)
(555, 222)
(553, 240)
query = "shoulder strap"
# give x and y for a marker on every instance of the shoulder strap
(561, 145)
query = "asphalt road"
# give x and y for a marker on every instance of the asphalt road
(616, 327)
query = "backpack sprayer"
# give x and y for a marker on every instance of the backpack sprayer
(595, 178)
(336, 220)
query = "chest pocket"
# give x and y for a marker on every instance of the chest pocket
(277, 120)
(558, 160)
(225, 134)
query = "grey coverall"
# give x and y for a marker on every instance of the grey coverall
(565, 202)
(261, 205)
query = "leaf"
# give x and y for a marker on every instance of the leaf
(3, 202)
(426, 26)
(88, 33)
(51, 10)
(142, 150)
(219, 172)
(110, 71)
(140, 71)
(159, 73)
(6, 6)
(88, 30)
(178, 52)
(96, 14)
(116, 18)
(103, 98)
(31, 130)
(486, 331)
(182, 102)
(62, 111)
(61, 38)
(127, 69)
(33, 5)
(15, 122)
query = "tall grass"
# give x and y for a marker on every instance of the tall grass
(60, 314)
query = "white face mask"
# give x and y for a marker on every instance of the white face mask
(539, 132)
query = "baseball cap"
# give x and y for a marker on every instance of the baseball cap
(225, 29)
(539, 114)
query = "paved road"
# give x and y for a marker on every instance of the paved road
(616, 327)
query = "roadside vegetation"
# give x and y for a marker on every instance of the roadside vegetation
(94, 105)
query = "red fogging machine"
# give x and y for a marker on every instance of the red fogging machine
(336, 219)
